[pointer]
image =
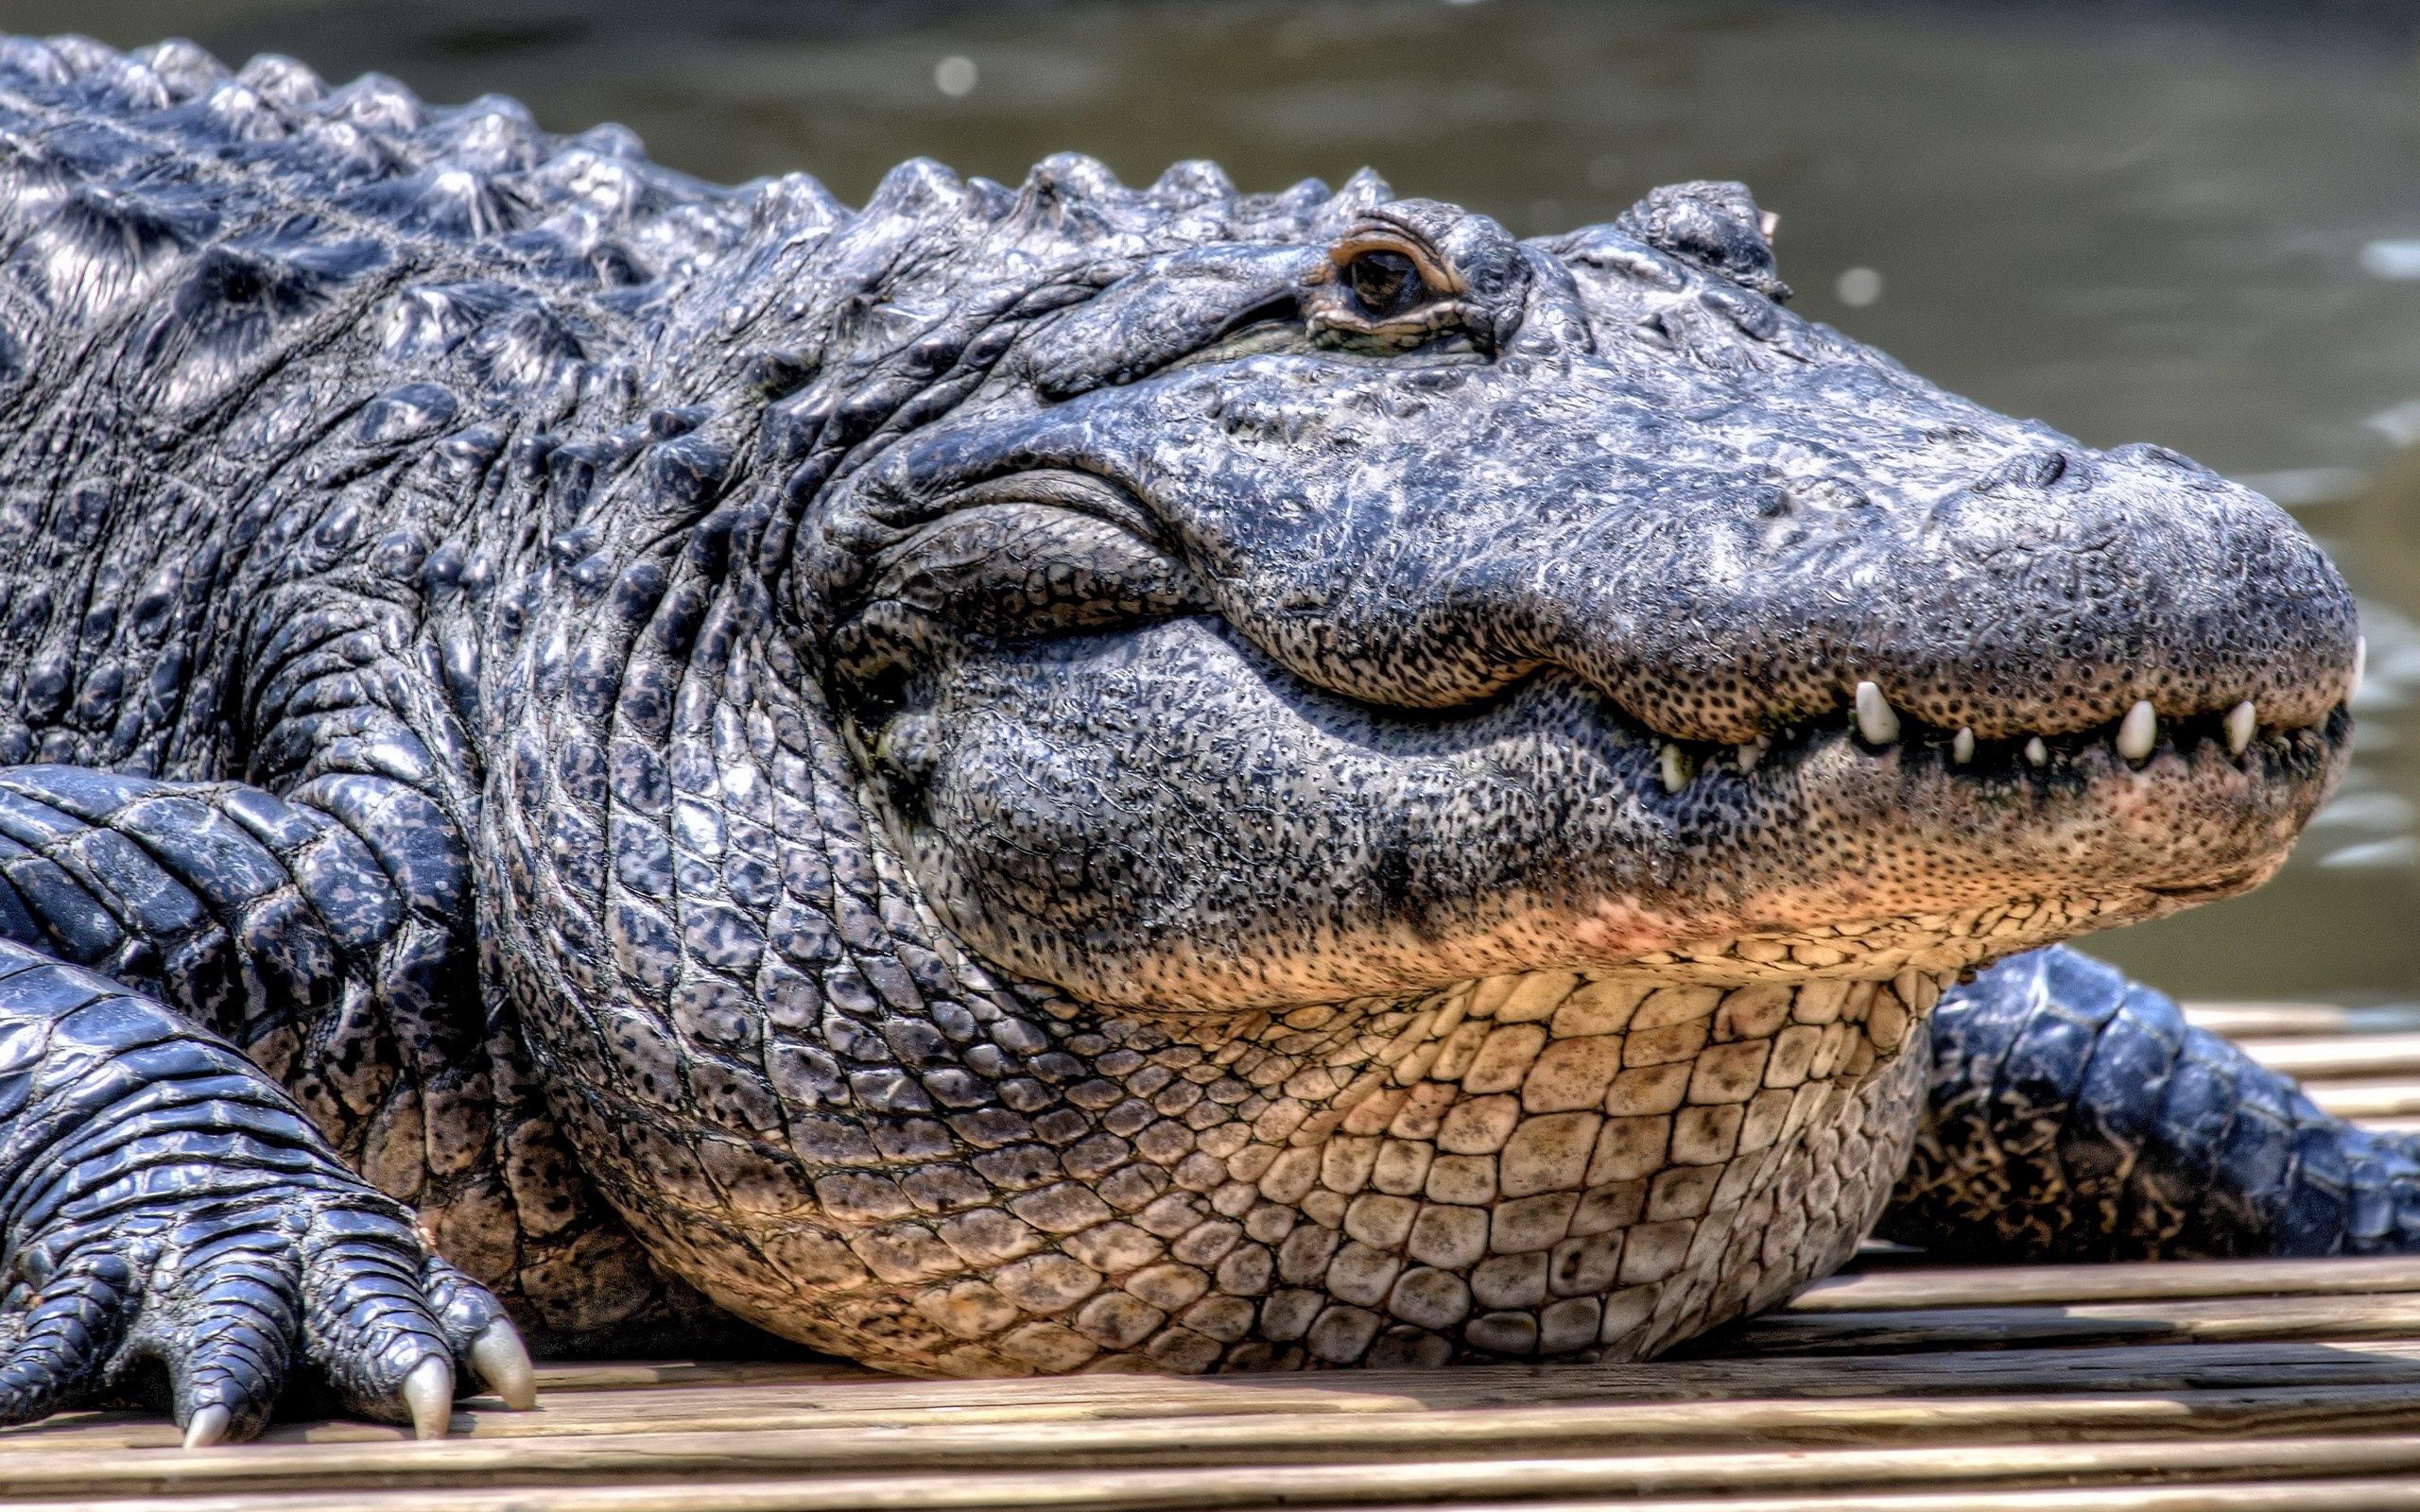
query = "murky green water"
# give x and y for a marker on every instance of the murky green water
(2199, 226)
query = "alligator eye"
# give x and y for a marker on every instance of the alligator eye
(1384, 283)
(1384, 290)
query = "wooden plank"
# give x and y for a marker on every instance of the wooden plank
(1291, 1439)
(1881, 1254)
(2148, 1321)
(1914, 1360)
(2336, 1058)
(2205, 1365)
(614, 1375)
(1383, 1434)
(2401, 1495)
(1995, 1286)
(2363, 1099)
(1936, 1378)
(2359, 1494)
(757, 1408)
(1398, 1481)
(2257, 1019)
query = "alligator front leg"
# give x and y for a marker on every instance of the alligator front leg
(2075, 1116)
(163, 1200)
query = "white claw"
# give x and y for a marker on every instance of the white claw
(1876, 719)
(2240, 722)
(1676, 767)
(2361, 667)
(1961, 745)
(428, 1395)
(1754, 752)
(208, 1426)
(502, 1361)
(2036, 752)
(2139, 731)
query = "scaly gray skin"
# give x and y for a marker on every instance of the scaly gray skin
(1026, 780)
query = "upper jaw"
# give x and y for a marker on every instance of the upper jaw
(2007, 613)
(1720, 578)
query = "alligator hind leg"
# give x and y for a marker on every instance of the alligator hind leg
(2074, 1115)
(163, 1200)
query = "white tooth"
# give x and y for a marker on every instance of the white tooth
(1752, 752)
(1961, 745)
(1676, 767)
(2036, 752)
(2360, 666)
(1876, 719)
(2240, 722)
(2139, 731)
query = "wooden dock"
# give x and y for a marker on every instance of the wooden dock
(2208, 1387)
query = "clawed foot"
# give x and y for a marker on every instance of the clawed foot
(228, 1296)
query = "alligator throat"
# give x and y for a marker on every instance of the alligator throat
(1546, 1162)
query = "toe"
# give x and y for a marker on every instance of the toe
(228, 1336)
(486, 1344)
(369, 1326)
(64, 1339)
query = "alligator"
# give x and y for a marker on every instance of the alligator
(1055, 777)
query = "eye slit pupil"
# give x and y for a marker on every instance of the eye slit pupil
(1384, 283)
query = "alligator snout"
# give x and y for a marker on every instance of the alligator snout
(2072, 592)
(1983, 593)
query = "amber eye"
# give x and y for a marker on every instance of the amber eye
(1384, 283)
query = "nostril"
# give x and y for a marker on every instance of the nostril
(1825, 495)
(2036, 470)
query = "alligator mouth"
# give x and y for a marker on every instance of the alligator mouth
(1913, 849)
(1541, 827)
(2134, 741)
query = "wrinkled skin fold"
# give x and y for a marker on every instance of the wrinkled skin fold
(1041, 778)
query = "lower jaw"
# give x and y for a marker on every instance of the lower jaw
(1616, 940)
(1941, 944)
(2019, 857)
(2005, 870)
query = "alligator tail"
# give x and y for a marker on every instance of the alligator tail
(2076, 1116)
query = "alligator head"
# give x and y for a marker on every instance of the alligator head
(1382, 602)
(1049, 641)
